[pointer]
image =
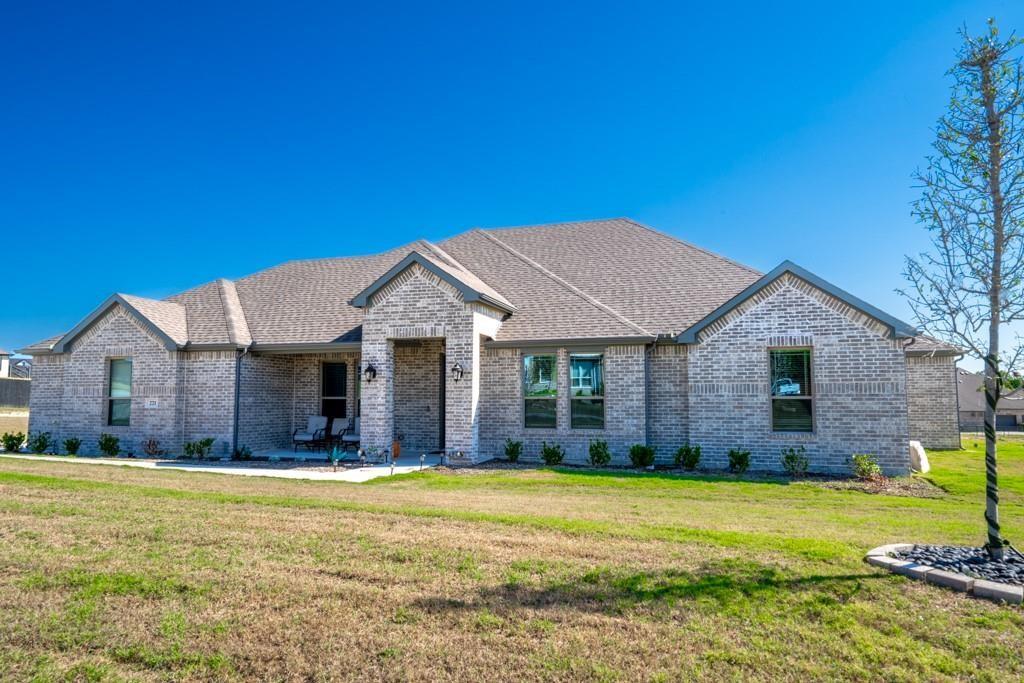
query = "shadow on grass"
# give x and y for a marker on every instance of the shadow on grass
(603, 589)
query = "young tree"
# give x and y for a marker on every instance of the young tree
(970, 285)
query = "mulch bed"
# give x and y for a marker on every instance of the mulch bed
(914, 487)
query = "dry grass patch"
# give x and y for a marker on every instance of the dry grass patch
(109, 573)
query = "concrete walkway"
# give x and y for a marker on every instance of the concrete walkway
(350, 474)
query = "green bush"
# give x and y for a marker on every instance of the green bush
(12, 441)
(109, 445)
(513, 449)
(739, 460)
(71, 445)
(553, 454)
(599, 453)
(245, 453)
(641, 455)
(865, 466)
(794, 461)
(688, 457)
(199, 449)
(39, 442)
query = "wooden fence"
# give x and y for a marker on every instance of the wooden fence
(14, 392)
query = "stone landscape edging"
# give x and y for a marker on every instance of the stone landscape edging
(979, 588)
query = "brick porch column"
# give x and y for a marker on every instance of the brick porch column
(377, 425)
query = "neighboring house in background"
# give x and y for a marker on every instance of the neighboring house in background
(560, 333)
(971, 398)
(14, 391)
(21, 368)
(14, 367)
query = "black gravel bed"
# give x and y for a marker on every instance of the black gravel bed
(973, 562)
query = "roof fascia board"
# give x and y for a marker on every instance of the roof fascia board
(315, 347)
(104, 308)
(897, 327)
(468, 293)
(568, 342)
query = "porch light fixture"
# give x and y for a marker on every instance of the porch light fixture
(369, 373)
(457, 372)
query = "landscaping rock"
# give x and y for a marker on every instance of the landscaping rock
(918, 458)
(973, 562)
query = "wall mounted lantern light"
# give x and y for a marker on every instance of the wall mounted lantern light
(457, 372)
(369, 373)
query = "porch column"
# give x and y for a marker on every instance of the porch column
(462, 403)
(377, 425)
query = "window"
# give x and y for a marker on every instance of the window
(119, 392)
(333, 389)
(540, 391)
(792, 405)
(586, 371)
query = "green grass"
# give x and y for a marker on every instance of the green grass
(549, 574)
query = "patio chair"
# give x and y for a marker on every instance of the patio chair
(339, 426)
(313, 436)
(350, 437)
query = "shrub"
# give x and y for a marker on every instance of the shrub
(688, 456)
(198, 449)
(12, 441)
(641, 455)
(513, 449)
(553, 454)
(109, 445)
(151, 447)
(599, 453)
(865, 466)
(794, 461)
(71, 445)
(39, 442)
(739, 460)
(245, 453)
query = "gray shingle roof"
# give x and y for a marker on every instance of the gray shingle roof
(926, 345)
(168, 316)
(660, 283)
(600, 279)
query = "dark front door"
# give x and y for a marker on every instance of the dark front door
(440, 402)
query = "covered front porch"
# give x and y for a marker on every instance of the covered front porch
(280, 391)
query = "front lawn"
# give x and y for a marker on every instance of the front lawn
(112, 573)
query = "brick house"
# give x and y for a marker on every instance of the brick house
(560, 333)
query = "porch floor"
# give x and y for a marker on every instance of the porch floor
(296, 470)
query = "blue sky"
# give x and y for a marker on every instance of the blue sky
(147, 150)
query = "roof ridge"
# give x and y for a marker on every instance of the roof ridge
(234, 315)
(567, 285)
(545, 225)
(699, 248)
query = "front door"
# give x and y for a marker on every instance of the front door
(440, 402)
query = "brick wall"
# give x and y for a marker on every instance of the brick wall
(669, 403)
(210, 398)
(308, 385)
(416, 304)
(265, 401)
(931, 401)
(502, 405)
(175, 396)
(417, 389)
(859, 380)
